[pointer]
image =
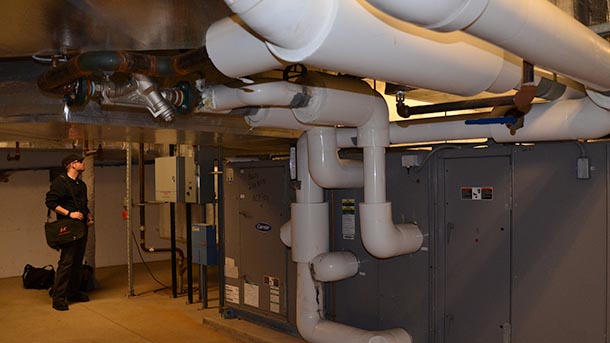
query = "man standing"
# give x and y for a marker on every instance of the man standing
(68, 198)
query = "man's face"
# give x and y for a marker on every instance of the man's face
(79, 166)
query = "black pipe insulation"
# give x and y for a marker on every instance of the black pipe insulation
(458, 105)
(546, 89)
(124, 62)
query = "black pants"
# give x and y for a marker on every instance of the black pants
(69, 270)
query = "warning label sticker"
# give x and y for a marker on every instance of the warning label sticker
(348, 218)
(477, 193)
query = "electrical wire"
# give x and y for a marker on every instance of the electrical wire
(433, 152)
(146, 265)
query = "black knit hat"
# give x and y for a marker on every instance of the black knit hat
(71, 158)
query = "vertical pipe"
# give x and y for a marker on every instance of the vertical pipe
(221, 230)
(142, 199)
(128, 207)
(374, 175)
(172, 219)
(189, 254)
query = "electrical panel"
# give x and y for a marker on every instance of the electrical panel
(175, 179)
(205, 251)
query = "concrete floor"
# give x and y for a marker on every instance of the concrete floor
(152, 315)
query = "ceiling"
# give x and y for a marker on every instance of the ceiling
(34, 30)
(46, 26)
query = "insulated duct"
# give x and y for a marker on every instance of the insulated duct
(354, 38)
(279, 94)
(522, 27)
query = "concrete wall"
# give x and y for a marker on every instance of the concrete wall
(23, 212)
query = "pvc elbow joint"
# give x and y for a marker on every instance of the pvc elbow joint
(334, 266)
(381, 237)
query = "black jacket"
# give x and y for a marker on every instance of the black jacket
(59, 194)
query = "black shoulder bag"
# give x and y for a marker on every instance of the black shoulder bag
(38, 278)
(63, 231)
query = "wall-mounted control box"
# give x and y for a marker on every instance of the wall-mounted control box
(175, 179)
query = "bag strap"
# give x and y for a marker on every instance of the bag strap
(26, 269)
(71, 193)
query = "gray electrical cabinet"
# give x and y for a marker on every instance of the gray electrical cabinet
(475, 276)
(260, 278)
(515, 249)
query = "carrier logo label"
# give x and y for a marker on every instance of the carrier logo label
(263, 227)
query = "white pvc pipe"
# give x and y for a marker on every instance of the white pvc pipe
(347, 137)
(314, 328)
(334, 266)
(374, 175)
(275, 117)
(522, 27)
(355, 38)
(310, 238)
(286, 234)
(279, 93)
(570, 119)
(309, 230)
(227, 37)
(309, 192)
(450, 130)
(325, 167)
(381, 237)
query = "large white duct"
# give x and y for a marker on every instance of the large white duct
(228, 37)
(560, 120)
(536, 30)
(353, 37)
